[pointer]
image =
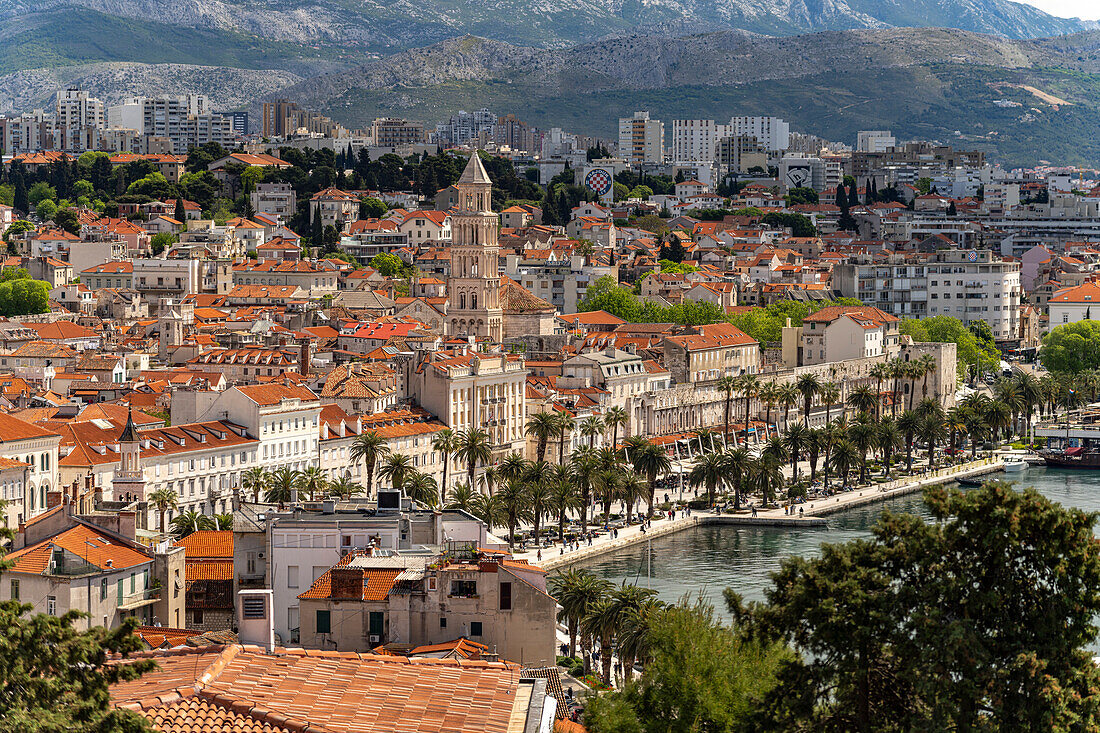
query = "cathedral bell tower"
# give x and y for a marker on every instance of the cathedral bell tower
(129, 478)
(473, 290)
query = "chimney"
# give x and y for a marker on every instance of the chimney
(304, 357)
(347, 583)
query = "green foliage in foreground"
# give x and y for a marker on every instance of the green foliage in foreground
(1072, 347)
(976, 621)
(702, 676)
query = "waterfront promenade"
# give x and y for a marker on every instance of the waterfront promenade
(814, 511)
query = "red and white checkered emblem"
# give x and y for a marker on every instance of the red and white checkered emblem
(599, 181)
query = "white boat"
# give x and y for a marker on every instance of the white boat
(1014, 465)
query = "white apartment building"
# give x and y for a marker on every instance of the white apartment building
(562, 283)
(1070, 305)
(186, 121)
(839, 333)
(772, 132)
(976, 285)
(696, 140)
(36, 448)
(274, 199)
(76, 108)
(641, 140)
(874, 141)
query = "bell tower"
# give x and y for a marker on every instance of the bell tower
(473, 290)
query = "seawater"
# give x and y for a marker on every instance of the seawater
(707, 559)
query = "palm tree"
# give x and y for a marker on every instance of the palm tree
(616, 418)
(223, 521)
(282, 485)
(999, 417)
(727, 384)
(795, 440)
(1031, 394)
(887, 440)
(490, 475)
(704, 438)
(766, 476)
(421, 488)
(576, 590)
(708, 471)
(627, 600)
(591, 427)
(862, 399)
(844, 456)
(909, 424)
(473, 447)
(737, 462)
(830, 434)
(513, 466)
(632, 489)
(489, 509)
(769, 396)
(749, 386)
(606, 482)
(345, 488)
(880, 372)
(541, 426)
(188, 522)
(1008, 393)
(397, 467)
(862, 435)
(370, 447)
(829, 395)
(582, 469)
(311, 482)
(255, 480)
(974, 409)
(928, 366)
(897, 371)
(787, 396)
(565, 424)
(513, 503)
(956, 426)
(600, 622)
(808, 386)
(444, 443)
(650, 461)
(636, 631)
(538, 479)
(913, 372)
(462, 497)
(563, 498)
(932, 431)
(163, 500)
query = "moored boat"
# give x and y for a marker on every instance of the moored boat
(1077, 457)
(1015, 465)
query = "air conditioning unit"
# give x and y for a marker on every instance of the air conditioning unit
(375, 638)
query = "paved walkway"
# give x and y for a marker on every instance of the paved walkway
(812, 510)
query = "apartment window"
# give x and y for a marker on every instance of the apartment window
(505, 596)
(475, 628)
(15, 590)
(103, 589)
(196, 616)
(464, 588)
(51, 605)
(133, 582)
(324, 622)
(442, 622)
(292, 576)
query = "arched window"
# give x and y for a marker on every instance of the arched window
(473, 300)
(462, 301)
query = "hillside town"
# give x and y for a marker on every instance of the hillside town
(323, 404)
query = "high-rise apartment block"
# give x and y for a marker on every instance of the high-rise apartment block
(874, 141)
(772, 132)
(641, 140)
(76, 108)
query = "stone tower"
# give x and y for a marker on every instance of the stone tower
(129, 478)
(473, 290)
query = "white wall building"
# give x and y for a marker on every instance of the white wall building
(772, 132)
(641, 140)
(874, 141)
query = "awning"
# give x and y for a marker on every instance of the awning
(1074, 451)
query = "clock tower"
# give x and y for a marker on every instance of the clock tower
(473, 290)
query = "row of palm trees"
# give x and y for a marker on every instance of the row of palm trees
(619, 618)
(521, 491)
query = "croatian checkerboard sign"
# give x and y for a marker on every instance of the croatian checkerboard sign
(601, 182)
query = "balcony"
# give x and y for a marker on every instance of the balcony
(140, 599)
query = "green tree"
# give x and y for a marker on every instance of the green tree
(370, 447)
(388, 265)
(281, 486)
(978, 620)
(944, 329)
(40, 192)
(162, 241)
(163, 500)
(1072, 347)
(17, 228)
(372, 208)
(700, 675)
(45, 209)
(189, 522)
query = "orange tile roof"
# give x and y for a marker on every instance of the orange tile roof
(159, 636)
(273, 394)
(376, 585)
(12, 429)
(87, 543)
(207, 543)
(333, 691)
(209, 570)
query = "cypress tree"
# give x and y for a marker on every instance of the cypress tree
(872, 191)
(20, 202)
(181, 213)
(841, 196)
(853, 196)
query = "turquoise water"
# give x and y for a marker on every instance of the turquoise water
(708, 559)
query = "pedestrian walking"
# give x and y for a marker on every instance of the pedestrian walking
(753, 506)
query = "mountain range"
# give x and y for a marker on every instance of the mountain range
(1004, 77)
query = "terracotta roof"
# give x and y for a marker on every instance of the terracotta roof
(273, 394)
(208, 543)
(376, 585)
(209, 570)
(1085, 293)
(333, 691)
(864, 313)
(12, 429)
(82, 544)
(160, 636)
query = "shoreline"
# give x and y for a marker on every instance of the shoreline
(814, 513)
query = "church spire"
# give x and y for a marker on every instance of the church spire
(129, 433)
(475, 171)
